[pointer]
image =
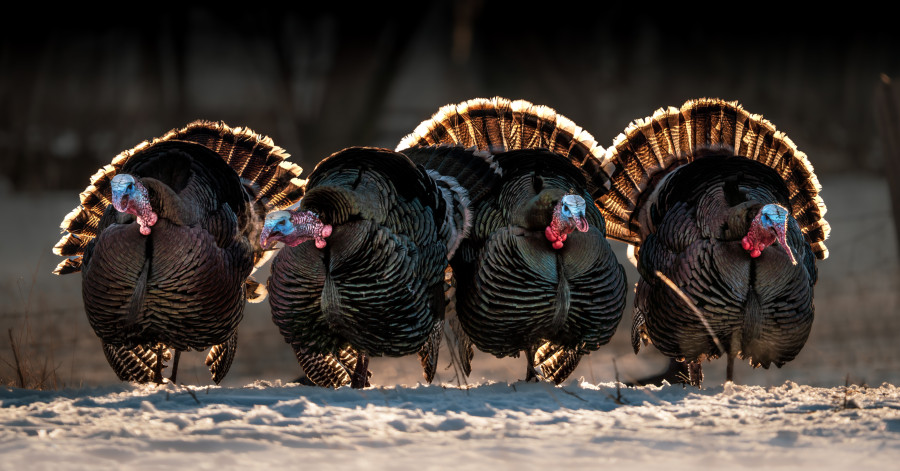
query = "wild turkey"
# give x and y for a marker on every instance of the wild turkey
(535, 272)
(166, 238)
(721, 205)
(362, 272)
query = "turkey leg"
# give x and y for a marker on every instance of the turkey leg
(157, 368)
(360, 378)
(175, 365)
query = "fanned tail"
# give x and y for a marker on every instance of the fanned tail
(650, 148)
(255, 158)
(499, 125)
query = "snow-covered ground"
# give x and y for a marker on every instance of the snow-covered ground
(489, 426)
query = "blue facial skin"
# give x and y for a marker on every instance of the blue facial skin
(122, 186)
(772, 215)
(278, 223)
(281, 223)
(571, 209)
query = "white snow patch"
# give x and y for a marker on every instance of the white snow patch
(491, 425)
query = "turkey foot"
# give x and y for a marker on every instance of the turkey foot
(695, 373)
(360, 377)
(532, 374)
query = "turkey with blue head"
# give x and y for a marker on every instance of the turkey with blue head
(726, 224)
(362, 270)
(535, 273)
(166, 238)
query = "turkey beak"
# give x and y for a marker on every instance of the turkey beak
(264, 241)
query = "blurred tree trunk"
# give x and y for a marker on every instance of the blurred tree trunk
(888, 110)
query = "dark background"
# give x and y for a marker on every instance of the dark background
(77, 87)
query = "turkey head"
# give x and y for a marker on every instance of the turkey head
(293, 228)
(130, 196)
(568, 215)
(769, 225)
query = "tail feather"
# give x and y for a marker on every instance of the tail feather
(458, 343)
(254, 157)
(652, 147)
(499, 125)
(328, 370)
(220, 357)
(428, 354)
(555, 362)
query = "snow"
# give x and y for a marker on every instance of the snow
(497, 426)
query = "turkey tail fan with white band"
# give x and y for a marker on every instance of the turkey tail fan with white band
(257, 160)
(520, 286)
(499, 125)
(652, 147)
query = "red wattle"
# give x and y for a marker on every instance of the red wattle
(549, 234)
